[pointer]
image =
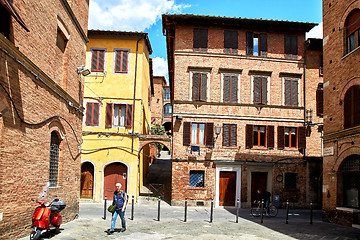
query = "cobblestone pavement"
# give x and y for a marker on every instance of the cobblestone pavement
(91, 225)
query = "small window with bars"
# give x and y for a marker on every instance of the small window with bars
(54, 159)
(196, 178)
(290, 180)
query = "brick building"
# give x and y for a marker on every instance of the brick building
(240, 95)
(42, 43)
(160, 103)
(341, 111)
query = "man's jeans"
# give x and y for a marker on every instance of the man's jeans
(113, 220)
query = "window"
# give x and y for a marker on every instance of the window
(200, 42)
(118, 115)
(230, 41)
(260, 90)
(97, 60)
(290, 137)
(199, 86)
(167, 110)
(198, 134)
(166, 94)
(291, 47)
(291, 92)
(92, 114)
(256, 44)
(352, 107)
(259, 136)
(319, 100)
(353, 31)
(196, 178)
(350, 173)
(121, 61)
(290, 180)
(54, 159)
(5, 19)
(229, 135)
(230, 88)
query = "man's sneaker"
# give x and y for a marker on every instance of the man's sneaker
(109, 232)
(122, 229)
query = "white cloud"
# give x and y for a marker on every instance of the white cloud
(160, 67)
(129, 15)
(316, 32)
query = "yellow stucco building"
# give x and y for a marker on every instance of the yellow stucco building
(117, 112)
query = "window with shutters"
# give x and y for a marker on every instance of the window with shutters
(320, 100)
(197, 178)
(352, 107)
(97, 60)
(199, 86)
(118, 115)
(195, 133)
(230, 41)
(260, 89)
(54, 159)
(290, 137)
(352, 27)
(166, 94)
(167, 110)
(229, 135)
(256, 44)
(291, 93)
(259, 136)
(200, 40)
(92, 114)
(198, 133)
(230, 88)
(121, 61)
(290, 181)
(291, 47)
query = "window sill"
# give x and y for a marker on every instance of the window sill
(348, 54)
(290, 149)
(346, 209)
(260, 148)
(196, 188)
(230, 147)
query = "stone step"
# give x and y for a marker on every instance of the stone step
(151, 200)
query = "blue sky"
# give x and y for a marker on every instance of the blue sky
(145, 16)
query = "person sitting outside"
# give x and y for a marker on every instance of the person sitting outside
(263, 195)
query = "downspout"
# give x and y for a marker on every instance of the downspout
(304, 89)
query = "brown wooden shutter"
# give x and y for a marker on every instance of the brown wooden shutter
(109, 115)
(204, 39)
(203, 86)
(287, 46)
(287, 92)
(281, 137)
(249, 43)
(89, 110)
(348, 109)
(270, 136)
(124, 61)
(302, 137)
(257, 90)
(234, 88)
(186, 133)
(227, 89)
(117, 61)
(226, 134)
(352, 23)
(294, 45)
(94, 60)
(249, 136)
(227, 41)
(196, 40)
(101, 61)
(264, 90)
(234, 42)
(96, 114)
(129, 115)
(196, 87)
(356, 104)
(263, 44)
(319, 100)
(233, 135)
(294, 92)
(209, 135)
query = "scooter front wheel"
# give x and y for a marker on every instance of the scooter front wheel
(35, 233)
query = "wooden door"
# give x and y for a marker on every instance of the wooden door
(258, 181)
(227, 189)
(87, 180)
(114, 173)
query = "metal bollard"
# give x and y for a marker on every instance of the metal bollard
(212, 210)
(132, 208)
(311, 212)
(262, 210)
(287, 211)
(159, 209)
(105, 208)
(237, 210)
(185, 216)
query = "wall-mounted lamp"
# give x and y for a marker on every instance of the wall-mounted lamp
(217, 133)
(84, 71)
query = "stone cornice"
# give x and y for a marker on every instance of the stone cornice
(341, 134)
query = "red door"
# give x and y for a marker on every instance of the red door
(258, 181)
(114, 173)
(227, 189)
(87, 180)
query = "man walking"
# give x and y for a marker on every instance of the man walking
(120, 199)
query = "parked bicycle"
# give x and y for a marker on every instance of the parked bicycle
(272, 210)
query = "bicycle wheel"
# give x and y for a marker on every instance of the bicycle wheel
(255, 211)
(273, 211)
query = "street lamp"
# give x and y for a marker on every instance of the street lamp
(217, 133)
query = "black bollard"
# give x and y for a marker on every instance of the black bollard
(185, 216)
(159, 209)
(237, 210)
(212, 210)
(105, 208)
(311, 212)
(262, 210)
(132, 208)
(287, 211)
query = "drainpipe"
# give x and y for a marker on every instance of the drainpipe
(306, 46)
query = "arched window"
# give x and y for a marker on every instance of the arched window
(167, 110)
(350, 171)
(352, 107)
(352, 26)
(54, 159)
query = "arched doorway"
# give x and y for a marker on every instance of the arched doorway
(349, 176)
(114, 173)
(87, 180)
